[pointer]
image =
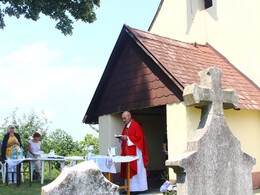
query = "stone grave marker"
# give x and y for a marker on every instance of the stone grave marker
(82, 179)
(213, 162)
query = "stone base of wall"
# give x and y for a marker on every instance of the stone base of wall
(256, 180)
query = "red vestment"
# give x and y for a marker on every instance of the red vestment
(136, 135)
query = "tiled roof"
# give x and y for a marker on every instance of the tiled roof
(146, 70)
(184, 60)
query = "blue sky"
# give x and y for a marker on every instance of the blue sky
(43, 70)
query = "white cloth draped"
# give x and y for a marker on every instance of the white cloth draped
(107, 164)
(139, 181)
(104, 163)
(14, 162)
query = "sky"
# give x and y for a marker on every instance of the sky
(41, 70)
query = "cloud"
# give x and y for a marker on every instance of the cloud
(36, 77)
(32, 56)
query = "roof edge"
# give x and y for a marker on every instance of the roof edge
(100, 85)
(174, 80)
(155, 16)
(224, 58)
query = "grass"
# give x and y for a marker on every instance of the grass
(24, 188)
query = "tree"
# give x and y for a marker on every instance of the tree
(90, 142)
(58, 10)
(61, 142)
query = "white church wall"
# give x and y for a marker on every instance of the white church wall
(245, 125)
(182, 121)
(109, 125)
(232, 27)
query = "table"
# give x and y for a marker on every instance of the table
(62, 161)
(74, 159)
(48, 159)
(17, 163)
(105, 165)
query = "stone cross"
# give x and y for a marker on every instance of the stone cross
(213, 162)
(209, 95)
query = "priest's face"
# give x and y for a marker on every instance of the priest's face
(126, 116)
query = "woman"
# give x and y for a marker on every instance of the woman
(11, 141)
(34, 147)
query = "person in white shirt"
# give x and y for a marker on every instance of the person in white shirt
(34, 147)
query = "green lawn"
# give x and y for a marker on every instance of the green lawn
(23, 189)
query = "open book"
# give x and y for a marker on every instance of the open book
(118, 136)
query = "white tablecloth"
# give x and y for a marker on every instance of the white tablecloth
(107, 164)
(14, 162)
(62, 160)
(104, 163)
(120, 159)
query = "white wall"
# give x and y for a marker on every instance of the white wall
(232, 27)
(109, 125)
(245, 126)
(181, 124)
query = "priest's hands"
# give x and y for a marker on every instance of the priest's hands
(124, 137)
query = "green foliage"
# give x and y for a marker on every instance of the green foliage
(78, 149)
(61, 142)
(90, 142)
(60, 11)
(54, 172)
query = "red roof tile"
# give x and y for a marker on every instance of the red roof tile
(185, 60)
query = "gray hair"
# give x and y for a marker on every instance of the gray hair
(9, 127)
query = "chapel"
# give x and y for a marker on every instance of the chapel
(148, 70)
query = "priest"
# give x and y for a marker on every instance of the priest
(133, 144)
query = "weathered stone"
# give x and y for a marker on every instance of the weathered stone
(213, 162)
(84, 178)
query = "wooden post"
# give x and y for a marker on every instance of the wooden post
(18, 175)
(7, 179)
(109, 177)
(128, 178)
